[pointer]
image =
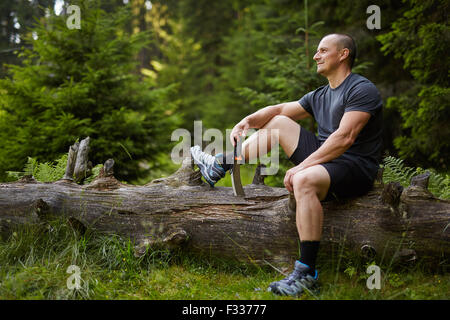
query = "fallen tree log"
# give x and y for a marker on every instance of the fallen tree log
(183, 211)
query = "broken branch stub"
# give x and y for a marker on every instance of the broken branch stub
(81, 163)
(258, 178)
(71, 159)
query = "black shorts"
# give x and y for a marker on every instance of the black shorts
(347, 177)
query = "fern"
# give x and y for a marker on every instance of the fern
(31, 167)
(49, 171)
(395, 170)
(440, 185)
(44, 172)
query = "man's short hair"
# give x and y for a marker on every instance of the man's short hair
(346, 41)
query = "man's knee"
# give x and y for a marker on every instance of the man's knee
(312, 181)
(303, 183)
(278, 122)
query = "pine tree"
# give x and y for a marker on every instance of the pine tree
(420, 38)
(83, 82)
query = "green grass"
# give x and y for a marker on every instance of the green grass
(34, 260)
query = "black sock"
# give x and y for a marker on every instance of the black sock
(308, 251)
(222, 161)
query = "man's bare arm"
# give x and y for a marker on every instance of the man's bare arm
(292, 110)
(258, 119)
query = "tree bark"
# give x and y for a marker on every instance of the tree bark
(183, 211)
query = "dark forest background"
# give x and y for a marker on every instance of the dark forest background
(139, 69)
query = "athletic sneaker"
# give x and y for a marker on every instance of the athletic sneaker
(209, 166)
(297, 282)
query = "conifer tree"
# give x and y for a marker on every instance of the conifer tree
(420, 38)
(83, 82)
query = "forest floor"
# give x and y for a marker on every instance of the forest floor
(34, 264)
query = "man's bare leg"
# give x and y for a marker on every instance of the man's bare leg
(262, 141)
(310, 187)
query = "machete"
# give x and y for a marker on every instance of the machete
(236, 172)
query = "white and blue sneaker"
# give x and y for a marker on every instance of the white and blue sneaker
(209, 165)
(297, 282)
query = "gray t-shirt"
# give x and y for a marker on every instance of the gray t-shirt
(355, 93)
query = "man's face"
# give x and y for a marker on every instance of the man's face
(327, 56)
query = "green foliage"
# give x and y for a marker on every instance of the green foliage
(44, 172)
(420, 38)
(395, 170)
(94, 173)
(78, 83)
(48, 171)
(257, 57)
(269, 62)
(425, 113)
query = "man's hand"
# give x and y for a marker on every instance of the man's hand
(239, 130)
(290, 174)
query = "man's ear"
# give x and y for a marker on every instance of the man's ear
(344, 54)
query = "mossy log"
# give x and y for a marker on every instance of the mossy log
(183, 211)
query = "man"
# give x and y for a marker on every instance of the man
(341, 161)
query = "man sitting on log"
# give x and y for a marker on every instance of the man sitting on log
(341, 161)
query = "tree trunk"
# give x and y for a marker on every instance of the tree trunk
(182, 211)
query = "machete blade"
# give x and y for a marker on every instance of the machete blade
(236, 172)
